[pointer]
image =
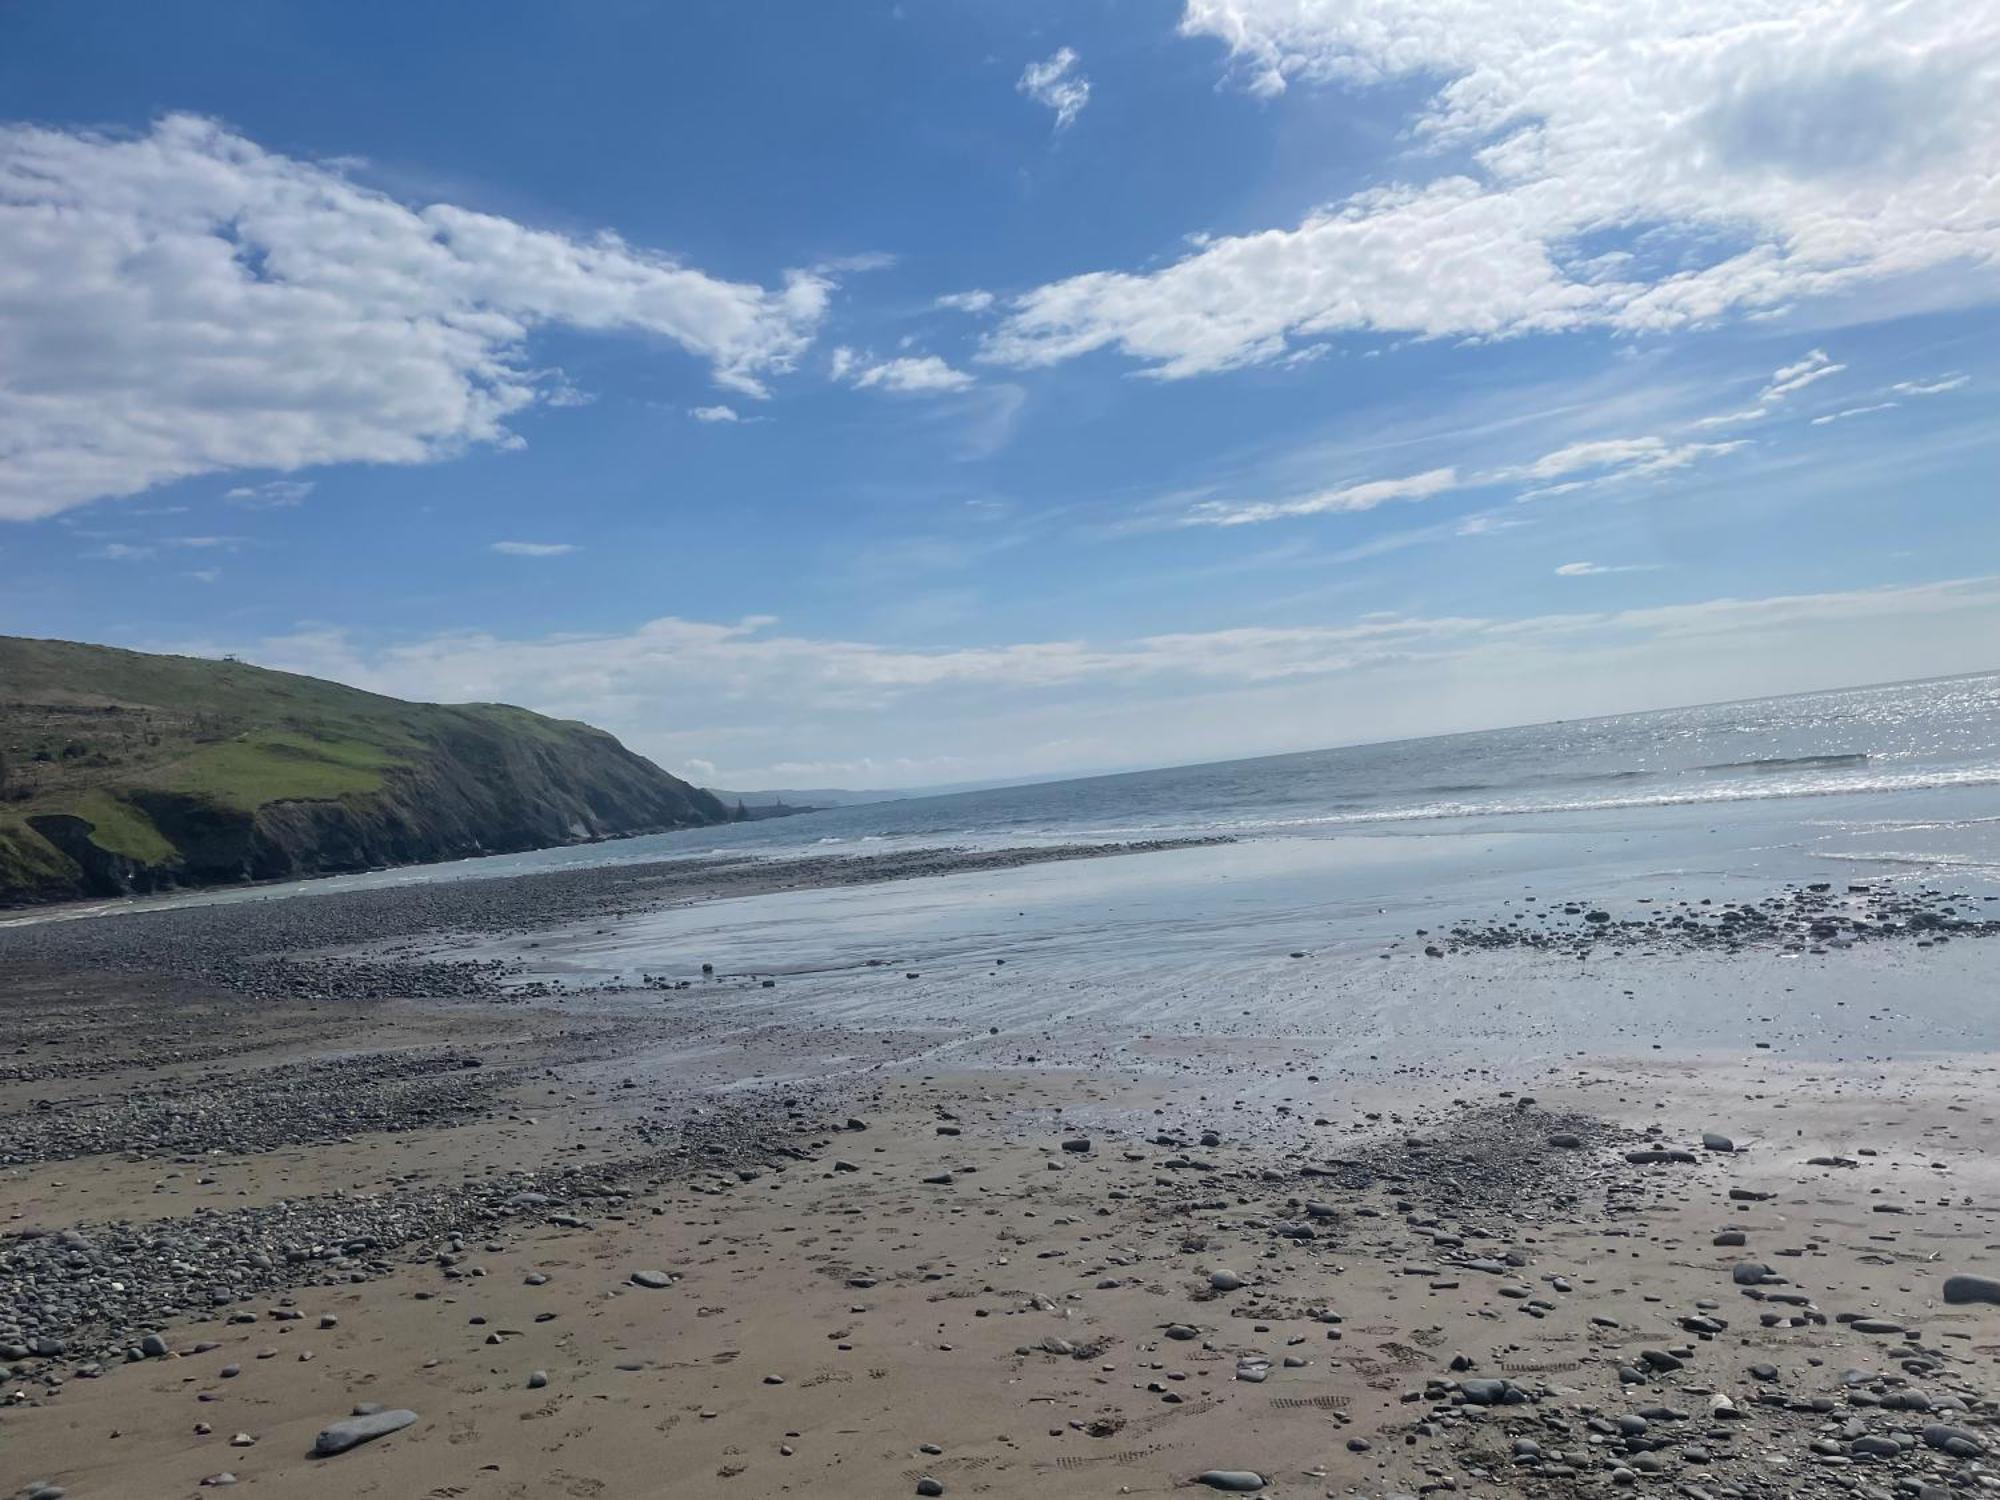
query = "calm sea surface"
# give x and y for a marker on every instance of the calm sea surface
(1900, 780)
(1340, 856)
(1879, 742)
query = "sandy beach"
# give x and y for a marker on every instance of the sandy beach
(1011, 751)
(1651, 1211)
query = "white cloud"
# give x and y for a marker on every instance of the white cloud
(133, 551)
(1796, 377)
(186, 302)
(1855, 411)
(1592, 570)
(1600, 461)
(561, 393)
(279, 494)
(714, 414)
(1351, 497)
(836, 673)
(1623, 457)
(1579, 164)
(1785, 381)
(1735, 418)
(1935, 387)
(1057, 83)
(735, 693)
(534, 549)
(969, 302)
(909, 374)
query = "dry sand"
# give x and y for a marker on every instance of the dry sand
(1008, 1281)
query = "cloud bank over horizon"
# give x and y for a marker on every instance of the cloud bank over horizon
(680, 690)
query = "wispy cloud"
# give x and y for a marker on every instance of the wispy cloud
(1488, 522)
(715, 414)
(116, 551)
(1057, 82)
(968, 302)
(1854, 411)
(1816, 366)
(1786, 381)
(533, 549)
(1734, 418)
(1352, 497)
(1935, 387)
(279, 494)
(1595, 462)
(1592, 570)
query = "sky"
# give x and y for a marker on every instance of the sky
(892, 394)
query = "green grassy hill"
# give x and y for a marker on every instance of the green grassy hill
(122, 771)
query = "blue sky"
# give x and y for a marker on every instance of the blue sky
(895, 394)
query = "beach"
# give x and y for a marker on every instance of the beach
(1011, 752)
(947, 1194)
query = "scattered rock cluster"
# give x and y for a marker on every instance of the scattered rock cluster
(1812, 918)
(88, 1293)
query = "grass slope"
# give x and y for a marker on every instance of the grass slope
(103, 735)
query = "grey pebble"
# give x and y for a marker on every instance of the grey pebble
(1962, 1289)
(352, 1432)
(1237, 1481)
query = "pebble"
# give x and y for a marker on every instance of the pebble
(1236, 1481)
(352, 1432)
(1962, 1289)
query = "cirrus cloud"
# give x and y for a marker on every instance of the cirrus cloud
(1594, 570)
(1937, 387)
(1565, 470)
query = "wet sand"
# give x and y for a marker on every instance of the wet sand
(985, 1226)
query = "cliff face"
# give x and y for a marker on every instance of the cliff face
(125, 773)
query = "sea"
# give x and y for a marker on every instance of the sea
(1322, 863)
(1902, 778)
(1887, 752)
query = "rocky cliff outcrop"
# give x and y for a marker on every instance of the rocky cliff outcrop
(122, 780)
